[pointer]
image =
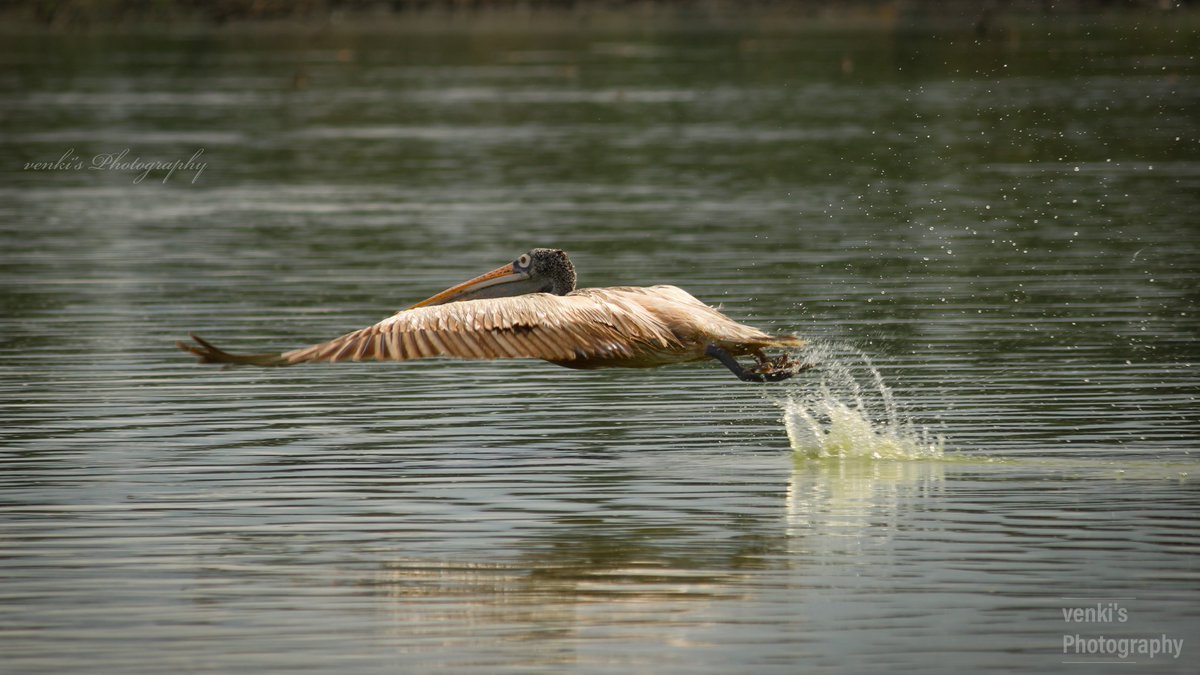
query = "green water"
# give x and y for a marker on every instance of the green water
(1004, 227)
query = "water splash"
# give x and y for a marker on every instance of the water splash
(851, 412)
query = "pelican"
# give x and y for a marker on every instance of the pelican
(530, 308)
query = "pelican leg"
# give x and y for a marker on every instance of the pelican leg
(781, 363)
(743, 374)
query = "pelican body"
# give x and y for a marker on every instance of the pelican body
(531, 309)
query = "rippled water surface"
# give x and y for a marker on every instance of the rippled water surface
(990, 242)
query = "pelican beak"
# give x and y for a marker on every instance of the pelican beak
(502, 282)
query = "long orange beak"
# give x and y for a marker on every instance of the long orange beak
(490, 285)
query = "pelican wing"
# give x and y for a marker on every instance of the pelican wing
(581, 326)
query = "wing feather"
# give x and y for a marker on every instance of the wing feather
(580, 326)
(505, 345)
(435, 342)
(341, 351)
(541, 341)
(366, 347)
(410, 345)
(424, 348)
(473, 343)
(395, 349)
(455, 344)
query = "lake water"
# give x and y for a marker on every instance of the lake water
(991, 243)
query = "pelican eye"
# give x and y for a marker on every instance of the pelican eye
(524, 260)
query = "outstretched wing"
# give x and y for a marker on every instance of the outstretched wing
(563, 329)
(541, 326)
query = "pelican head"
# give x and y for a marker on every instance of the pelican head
(541, 270)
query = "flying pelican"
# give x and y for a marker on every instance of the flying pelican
(531, 309)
